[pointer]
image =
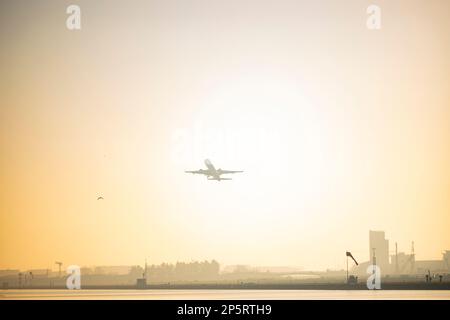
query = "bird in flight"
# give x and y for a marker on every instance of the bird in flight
(212, 173)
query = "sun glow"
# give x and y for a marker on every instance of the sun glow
(339, 130)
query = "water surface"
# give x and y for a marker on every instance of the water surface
(225, 294)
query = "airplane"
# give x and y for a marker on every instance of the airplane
(212, 173)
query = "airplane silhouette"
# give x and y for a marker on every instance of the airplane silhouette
(212, 173)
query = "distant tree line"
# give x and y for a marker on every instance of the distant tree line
(180, 271)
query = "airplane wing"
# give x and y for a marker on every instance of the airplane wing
(219, 179)
(220, 171)
(198, 172)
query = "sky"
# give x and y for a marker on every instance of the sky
(339, 129)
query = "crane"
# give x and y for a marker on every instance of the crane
(59, 265)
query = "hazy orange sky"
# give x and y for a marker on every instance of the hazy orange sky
(340, 130)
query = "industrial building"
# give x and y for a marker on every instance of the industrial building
(400, 263)
(379, 249)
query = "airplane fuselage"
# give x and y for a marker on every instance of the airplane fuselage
(212, 172)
